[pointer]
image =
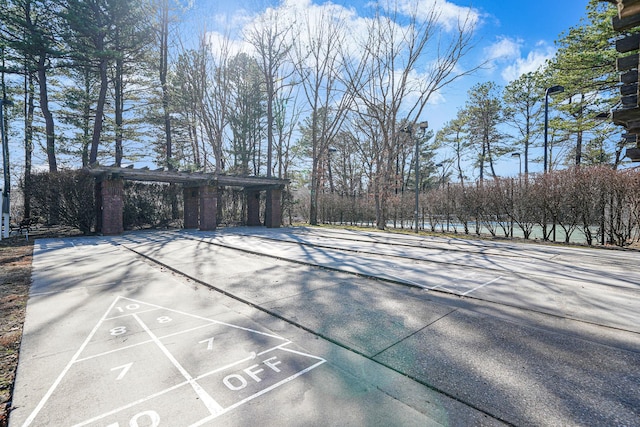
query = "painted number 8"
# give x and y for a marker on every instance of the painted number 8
(118, 330)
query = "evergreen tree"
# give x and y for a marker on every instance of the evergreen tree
(484, 114)
(523, 99)
(585, 65)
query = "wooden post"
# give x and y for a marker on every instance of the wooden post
(208, 207)
(191, 200)
(253, 208)
(273, 215)
(110, 204)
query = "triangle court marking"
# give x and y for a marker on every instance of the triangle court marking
(138, 352)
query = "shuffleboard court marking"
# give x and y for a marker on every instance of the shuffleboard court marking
(211, 404)
(202, 370)
(47, 395)
(481, 286)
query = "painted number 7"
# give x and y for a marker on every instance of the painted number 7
(209, 342)
(123, 370)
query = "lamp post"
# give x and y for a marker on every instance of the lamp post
(520, 168)
(6, 190)
(550, 91)
(441, 165)
(330, 151)
(423, 126)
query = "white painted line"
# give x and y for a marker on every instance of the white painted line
(129, 314)
(300, 353)
(213, 406)
(208, 320)
(441, 287)
(130, 405)
(114, 351)
(251, 356)
(261, 392)
(143, 342)
(55, 384)
(279, 346)
(484, 284)
(405, 280)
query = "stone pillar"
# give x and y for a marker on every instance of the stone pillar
(273, 215)
(109, 206)
(191, 200)
(208, 207)
(253, 208)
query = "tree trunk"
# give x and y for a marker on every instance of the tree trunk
(164, 53)
(29, 93)
(48, 117)
(97, 124)
(119, 107)
(578, 148)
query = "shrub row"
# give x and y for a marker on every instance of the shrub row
(597, 203)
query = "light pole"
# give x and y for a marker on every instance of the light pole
(6, 190)
(330, 151)
(549, 91)
(423, 126)
(520, 162)
(441, 165)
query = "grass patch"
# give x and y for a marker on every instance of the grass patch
(15, 278)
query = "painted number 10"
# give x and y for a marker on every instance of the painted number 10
(147, 418)
(128, 307)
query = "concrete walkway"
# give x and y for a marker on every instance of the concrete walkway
(111, 340)
(127, 331)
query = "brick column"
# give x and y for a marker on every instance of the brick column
(208, 207)
(273, 215)
(253, 208)
(191, 200)
(109, 206)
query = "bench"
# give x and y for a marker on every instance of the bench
(24, 226)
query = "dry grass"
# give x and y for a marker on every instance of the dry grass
(15, 279)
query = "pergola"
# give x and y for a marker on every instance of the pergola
(200, 192)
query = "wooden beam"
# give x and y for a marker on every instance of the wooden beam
(627, 8)
(629, 77)
(633, 154)
(623, 116)
(628, 62)
(629, 89)
(625, 24)
(628, 43)
(188, 178)
(629, 101)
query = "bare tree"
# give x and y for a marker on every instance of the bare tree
(408, 56)
(318, 63)
(214, 109)
(270, 36)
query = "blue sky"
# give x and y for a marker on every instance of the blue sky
(519, 34)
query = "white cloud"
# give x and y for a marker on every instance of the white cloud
(504, 49)
(446, 13)
(534, 60)
(506, 55)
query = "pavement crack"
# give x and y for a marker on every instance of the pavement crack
(413, 333)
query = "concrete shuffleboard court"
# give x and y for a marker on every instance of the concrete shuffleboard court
(112, 340)
(311, 326)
